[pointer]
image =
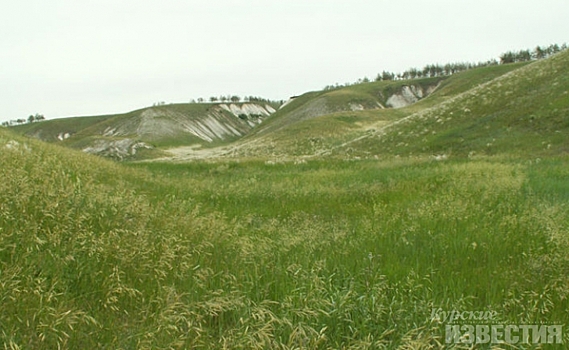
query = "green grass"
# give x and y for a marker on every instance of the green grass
(178, 138)
(314, 123)
(464, 81)
(162, 127)
(48, 130)
(328, 102)
(284, 251)
(524, 113)
(321, 122)
(369, 245)
(252, 254)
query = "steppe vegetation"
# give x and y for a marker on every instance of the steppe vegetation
(320, 254)
(341, 231)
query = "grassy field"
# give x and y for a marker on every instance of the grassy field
(324, 254)
(325, 228)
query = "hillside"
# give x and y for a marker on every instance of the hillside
(122, 136)
(326, 122)
(514, 109)
(205, 125)
(368, 96)
(351, 121)
(524, 112)
(321, 254)
(334, 223)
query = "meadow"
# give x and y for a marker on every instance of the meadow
(251, 254)
(327, 227)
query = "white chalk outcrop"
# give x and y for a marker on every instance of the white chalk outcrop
(408, 95)
(221, 122)
(118, 149)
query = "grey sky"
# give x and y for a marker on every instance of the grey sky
(87, 57)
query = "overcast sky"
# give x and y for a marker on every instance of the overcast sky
(87, 57)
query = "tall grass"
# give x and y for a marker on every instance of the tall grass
(252, 255)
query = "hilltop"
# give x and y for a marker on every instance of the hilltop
(518, 109)
(484, 110)
(325, 122)
(523, 112)
(197, 126)
(142, 133)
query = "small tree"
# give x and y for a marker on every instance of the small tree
(523, 56)
(387, 76)
(235, 98)
(36, 118)
(539, 53)
(507, 57)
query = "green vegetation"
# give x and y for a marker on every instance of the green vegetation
(356, 98)
(341, 230)
(322, 254)
(49, 130)
(438, 70)
(157, 128)
(523, 112)
(322, 122)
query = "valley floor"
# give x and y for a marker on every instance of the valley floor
(320, 254)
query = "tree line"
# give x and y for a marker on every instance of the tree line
(235, 99)
(31, 119)
(428, 71)
(438, 70)
(530, 55)
(226, 98)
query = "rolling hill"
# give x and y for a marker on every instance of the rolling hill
(327, 225)
(525, 111)
(516, 109)
(332, 122)
(362, 120)
(124, 136)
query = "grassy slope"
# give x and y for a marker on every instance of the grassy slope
(321, 254)
(86, 259)
(168, 133)
(313, 123)
(525, 113)
(318, 122)
(326, 254)
(190, 111)
(319, 103)
(49, 130)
